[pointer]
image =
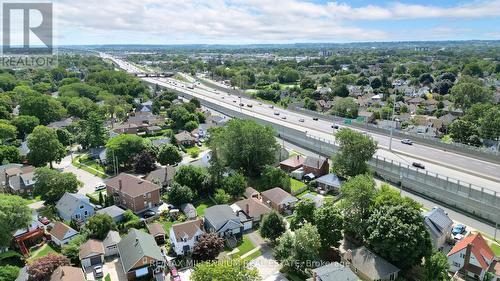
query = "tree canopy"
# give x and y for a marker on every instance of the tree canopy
(355, 150)
(44, 146)
(224, 271)
(51, 185)
(14, 214)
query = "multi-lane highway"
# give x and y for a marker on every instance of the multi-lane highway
(463, 168)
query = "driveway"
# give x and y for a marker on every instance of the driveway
(114, 268)
(268, 267)
(89, 180)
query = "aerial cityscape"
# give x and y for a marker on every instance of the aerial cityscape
(250, 140)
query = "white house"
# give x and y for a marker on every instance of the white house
(184, 235)
(471, 257)
(61, 234)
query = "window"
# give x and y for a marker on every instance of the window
(456, 264)
(149, 195)
(391, 277)
(81, 206)
(86, 214)
(462, 255)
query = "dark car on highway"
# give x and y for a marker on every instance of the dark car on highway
(418, 165)
(315, 118)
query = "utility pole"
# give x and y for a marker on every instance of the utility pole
(392, 125)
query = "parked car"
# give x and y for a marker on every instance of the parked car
(149, 214)
(458, 229)
(98, 271)
(406, 141)
(100, 186)
(174, 275)
(260, 103)
(44, 220)
(418, 165)
(458, 237)
(283, 117)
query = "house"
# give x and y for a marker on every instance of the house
(185, 139)
(115, 212)
(140, 256)
(184, 235)
(333, 272)
(250, 192)
(293, 163)
(63, 123)
(370, 266)
(91, 253)
(316, 166)
(67, 273)
(158, 232)
(162, 176)
(251, 209)
(131, 192)
(189, 211)
(110, 243)
(328, 183)
(439, 226)
(160, 142)
(74, 206)
(471, 257)
(222, 220)
(99, 154)
(278, 199)
(317, 199)
(17, 179)
(61, 234)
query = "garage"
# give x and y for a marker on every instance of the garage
(91, 253)
(95, 260)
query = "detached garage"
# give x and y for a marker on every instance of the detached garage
(91, 253)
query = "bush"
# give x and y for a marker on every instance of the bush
(221, 197)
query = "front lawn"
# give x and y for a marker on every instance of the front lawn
(244, 247)
(43, 251)
(88, 165)
(496, 249)
(296, 185)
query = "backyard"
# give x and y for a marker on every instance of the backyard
(296, 185)
(43, 251)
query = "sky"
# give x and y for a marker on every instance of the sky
(85, 22)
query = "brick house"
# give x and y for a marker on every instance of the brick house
(131, 192)
(316, 166)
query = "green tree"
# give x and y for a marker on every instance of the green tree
(45, 108)
(303, 213)
(51, 184)
(9, 154)
(179, 194)
(345, 107)
(461, 130)
(358, 198)
(308, 83)
(193, 177)
(64, 136)
(467, 94)
(273, 226)
(14, 214)
(330, 223)
(7, 132)
(169, 155)
(144, 162)
(387, 195)
(221, 197)
(244, 145)
(124, 148)
(355, 150)
(72, 249)
(99, 225)
(274, 177)
(224, 271)
(44, 147)
(376, 83)
(234, 184)
(9, 272)
(389, 225)
(94, 133)
(25, 125)
(341, 91)
(436, 267)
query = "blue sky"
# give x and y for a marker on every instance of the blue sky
(272, 21)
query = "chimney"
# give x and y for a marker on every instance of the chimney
(247, 209)
(315, 276)
(467, 255)
(120, 185)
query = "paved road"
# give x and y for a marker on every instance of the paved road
(448, 164)
(89, 180)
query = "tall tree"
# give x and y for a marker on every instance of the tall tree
(99, 225)
(124, 148)
(275, 177)
(45, 108)
(398, 234)
(330, 223)
(14, 214)
(169, 155)
(9, 154)
(467, 94)
(355, 150)
(272, 226)
(44, 147)
(179, 194)
(303, 213)
(94, 132)
(245, 145)
(193, 177)
(234, 184)
(436, 267)
(144, 162)
(25, 124)
(51, 184)
(358, 198)
(7, 132)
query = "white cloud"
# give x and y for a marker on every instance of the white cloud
(244, 21)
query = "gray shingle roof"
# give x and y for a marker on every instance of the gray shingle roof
(329, 179)
(136, 245)
(372, 265)
(314, 162)
(334, 272)
(112, 211)
(70, 202)
(218, 215)
(112, 238)
(437, 221)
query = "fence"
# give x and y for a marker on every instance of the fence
(476, 200)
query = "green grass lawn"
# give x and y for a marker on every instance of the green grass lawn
(296, 185)
(107, 278)
(91, 166)
(167, 225)
(252, 256)
(496, 249)
(43, 251)
(244, 247)
(202, 205)
(193, 151)
(95, 195)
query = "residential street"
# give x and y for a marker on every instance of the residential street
(89, 181)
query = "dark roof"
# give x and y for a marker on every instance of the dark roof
(278, 195)
(136, 245)
(131, 185)
(334, 272)
(219, 215)
(162, 174)
(160, 142)
(314, 162)
(329, 179)
(250, 192)
(437, 221)
(372, 265)
(155, 229)
(188, 228)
